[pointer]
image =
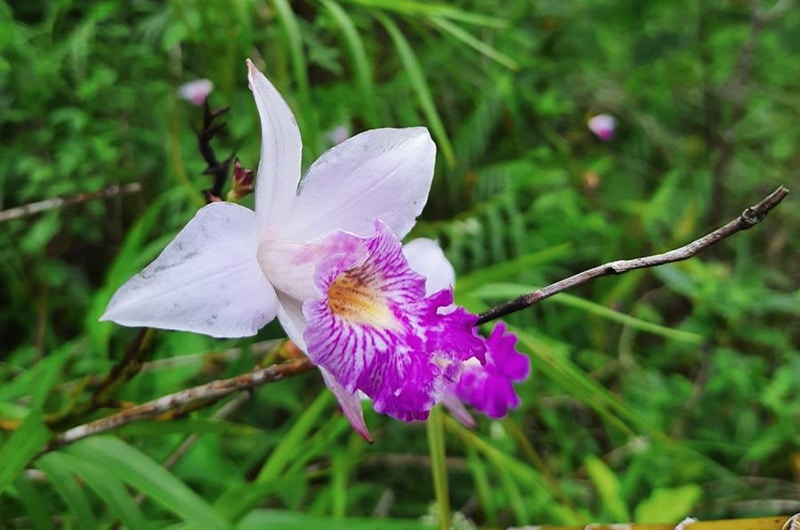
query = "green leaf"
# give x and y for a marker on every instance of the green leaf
(555, 364)
(233, 505)
(608, 488)
(30, 437)
(65, 483)
(506, 291)
(187, 426)
(133, 467)
(39, 379)
(420, 85)
(32, 499)
(291, 27)
(435, 427)
(668, 504)
(103, 482)
(479, 278)
(285, 520)
(414, 8)
(481, 47)
(358, 54)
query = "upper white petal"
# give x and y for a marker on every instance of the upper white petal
(281, 151)
(426, 257)
(207, 280)
(379, 174)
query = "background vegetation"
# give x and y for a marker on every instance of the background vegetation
(655, 395)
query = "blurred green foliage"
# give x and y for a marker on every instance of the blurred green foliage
(655, 395)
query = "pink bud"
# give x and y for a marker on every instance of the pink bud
(603, 126)
(196, 92)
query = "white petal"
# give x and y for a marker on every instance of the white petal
(426, 257)
(293, 322)
(458, 410)
(207, 280)
(281, 151)
(350, 404)
(380, 174)
(290, 315)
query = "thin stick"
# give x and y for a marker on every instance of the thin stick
(217, 169)
(59, 202)
(204, 393)
(749, 218)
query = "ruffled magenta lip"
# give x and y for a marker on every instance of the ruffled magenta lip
(374, 330)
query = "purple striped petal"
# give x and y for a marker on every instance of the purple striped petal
(489, 388)
(373, 329)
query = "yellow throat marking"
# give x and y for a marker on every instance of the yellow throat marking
(351, 297)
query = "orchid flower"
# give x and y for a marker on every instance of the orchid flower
(487, 387)
(323, 254)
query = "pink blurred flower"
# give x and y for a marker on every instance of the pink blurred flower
(196, 92)
(603, 126)
(338, 134)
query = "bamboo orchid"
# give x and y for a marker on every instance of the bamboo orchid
(323, 254)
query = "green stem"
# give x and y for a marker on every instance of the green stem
(435, 427)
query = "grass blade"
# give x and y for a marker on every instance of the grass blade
(107, 487)
(358, 54)
(435, 428)
(420, 86)
(233, 505)
(133, 467)
(479, 46)
(67, 487)
(32, 499)
(24, 444)
(507, 291)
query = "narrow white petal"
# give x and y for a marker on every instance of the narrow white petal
(458, 410)
(207, 280)
(426, 257)
(291, 317)
(281, 151)
(380, 174)
(350, 403)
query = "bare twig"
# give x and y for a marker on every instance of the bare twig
(217, 169)
(207, 393)
(128, 366)
(59, 202)
(749, 218)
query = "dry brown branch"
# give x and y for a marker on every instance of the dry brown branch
(58, 202)
(749, 218)
(207, 393)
